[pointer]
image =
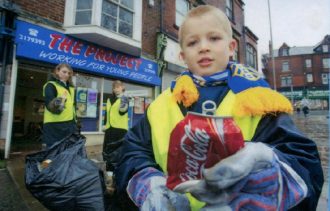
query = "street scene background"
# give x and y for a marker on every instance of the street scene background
(15, 196)
(136, 41)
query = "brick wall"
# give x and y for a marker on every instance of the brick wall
(150, 27)
(169, 18)
(51, 10)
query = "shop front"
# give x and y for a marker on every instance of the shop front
(318, 98)
(39, 50)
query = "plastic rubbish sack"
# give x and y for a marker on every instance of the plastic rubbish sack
(69, 181)
(111, 153)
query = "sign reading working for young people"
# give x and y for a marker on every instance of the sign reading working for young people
(38, 43)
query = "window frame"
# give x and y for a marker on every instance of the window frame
(230, 9)
(309, 76)
(116, 41)
(76, 10)
(251, 56)
(288, 66)
(285, 52)
(287, 79)
(325, 48)
(118, 20)
(326, 64)
(179, 12)
(325, 78)
(308, 64)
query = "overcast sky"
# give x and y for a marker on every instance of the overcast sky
(295, 22)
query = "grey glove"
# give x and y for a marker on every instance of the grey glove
(163, 199)
(253, 157)
(56, 106)
(251, 179)
(123, 104)
(148, 191)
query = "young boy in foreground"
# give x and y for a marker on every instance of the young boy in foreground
(278, 169)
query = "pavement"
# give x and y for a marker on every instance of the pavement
(14, 196)
(9, 193)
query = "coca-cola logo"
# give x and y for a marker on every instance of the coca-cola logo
(194, 144)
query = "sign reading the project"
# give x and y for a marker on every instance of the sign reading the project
(39, 43)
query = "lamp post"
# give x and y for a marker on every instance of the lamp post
(271, 44)
(292, 97)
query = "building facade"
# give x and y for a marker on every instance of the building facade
(103, 40)
(301, 72)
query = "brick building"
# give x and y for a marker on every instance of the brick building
(301, 72)
(103, 40)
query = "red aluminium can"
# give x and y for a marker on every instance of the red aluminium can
(200, 141)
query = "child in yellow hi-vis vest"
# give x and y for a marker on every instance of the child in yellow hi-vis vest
(59, 116)
(116, 126)
(277, 169)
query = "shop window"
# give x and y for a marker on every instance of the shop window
(88, 101)
(326, 62)
(285, 66)
(286, 81)
(140, 97)
(181, 9)
(117, 16)
(83, 12)
(308, 63)
(229, 9)
(309, 78)
(251, 56)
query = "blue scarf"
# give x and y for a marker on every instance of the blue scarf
(253, 95)
(238, 76)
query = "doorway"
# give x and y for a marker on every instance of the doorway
(28, 108)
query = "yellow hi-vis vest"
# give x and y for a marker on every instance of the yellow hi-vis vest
(69, 111)
(164, 114)
(114, 119)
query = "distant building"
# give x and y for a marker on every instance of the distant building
(301, 72)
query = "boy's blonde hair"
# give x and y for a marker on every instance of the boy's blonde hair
(203, 10)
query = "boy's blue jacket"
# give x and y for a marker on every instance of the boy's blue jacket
(277, 131)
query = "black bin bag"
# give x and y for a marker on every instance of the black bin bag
(70, 182)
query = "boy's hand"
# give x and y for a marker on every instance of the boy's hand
(124, 103)
(148, 191)
(163, 199)
(252, 179)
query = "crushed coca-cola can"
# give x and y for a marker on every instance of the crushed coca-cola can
(200, 141)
